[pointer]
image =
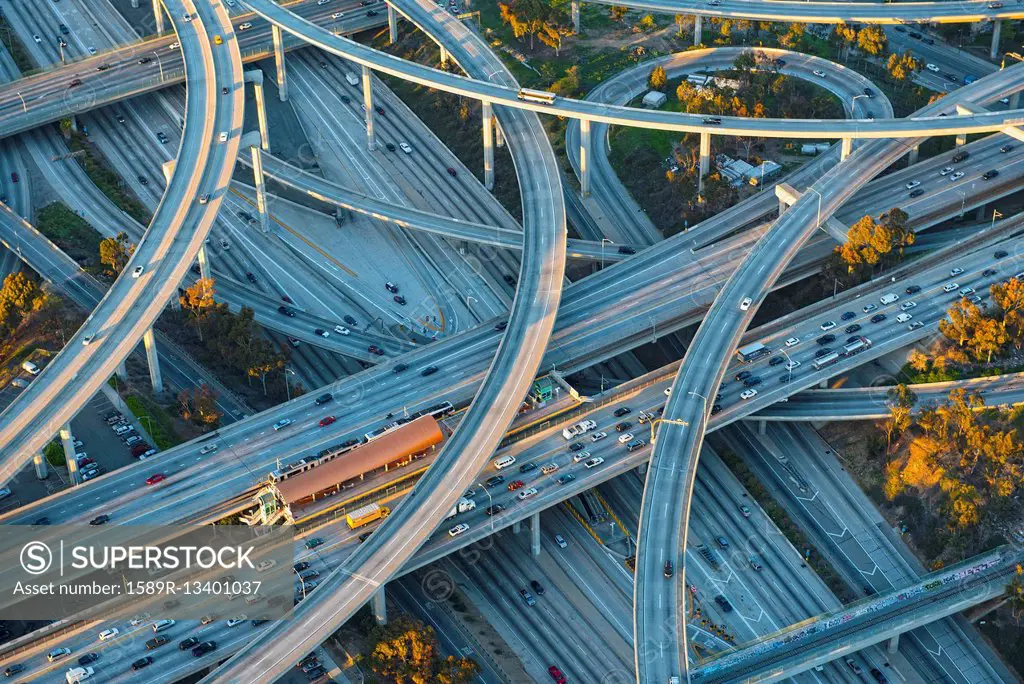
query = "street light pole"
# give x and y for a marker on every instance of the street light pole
(604, 240)
(287, 389)
(159, 65)
(995, 214)
(24, 106)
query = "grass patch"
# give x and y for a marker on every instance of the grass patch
(71, 233)
(155, 419)
(14, 46)
(106, 180)
(54, 454)
(782, 520)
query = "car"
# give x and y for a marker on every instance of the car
(1006, 148)
(848, 315)
(156, 642)
(458, 529)
(245, 26)
(906, 306)
(108, 634)
(742, 375)
(854, 667)
(327, 420)
(576, 446)
(101, 519)
(712, 121)
(914, 325)
(515, 484)
(912, 184)
(750, 382)
(580, 456)
(235, 621)
(560, 541)
(917, 192)
(792, 341)
(912, 289)
(988, 272)
(391, 287)
(931, 67)
(188, 643)
(956, 175)
(283, 423)
(824, 351)
(792, 365)
(374, 349)
(592, 463)
(827, 325)
(500, 325)
(527, 467)
(875, 672)
(314, 542)
(138, 271)
(565, 479)
(949, 287)
(341, 330)
(87, 658)
(494, 481)
(494, 509)
(204, 648)
(623, 426)
(990, 174)
(819, 73)
(265, 565)
(903, 317)
(142, 662)
(869, 308)
(286, 311)
(946, 171)
(36, 38)
(556, 675)
(754, 565)
(153, 479)
(452, 172)
(853, 328)
(537, 587)
(748, 394)
(826, 339)
(143, 180)
(723, 603)
(204, 198)
(628, 437)
(429, 370)
(528, 597)
(722, 541)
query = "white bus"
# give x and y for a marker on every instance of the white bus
(752, 352)
(541, 96)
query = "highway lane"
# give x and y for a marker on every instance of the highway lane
(609, 193)
(507, 380)
(668, 493)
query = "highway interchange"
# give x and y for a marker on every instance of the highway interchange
(514, 356)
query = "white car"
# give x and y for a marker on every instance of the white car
(187, 17)
(956, 176)
(458, 529)
(108, 634)
(405, 147)
(139, 619)
(906, 306)
(792, 341)
(283, 423)
(341, 330)
(138, 271)
(37, 38)
(245, 27)
(956, 271)
(174, 46)
(223, 136)
(594, 462)
(322, 2)
(946, 171)
(828, 325)
(560, 540)
(912, 184)
(235, 621)
(903, 318)
(265, 565)
(792, 364)
(324, 334)
(931, 67)
(87, 340)
(337, 15)
(525, 494)
(949, 287)
(745, 304)
(208, 449)
(626, 438)
(598, 436)
(819, 73)
(580, 456)
(668, 391)
(747, 394)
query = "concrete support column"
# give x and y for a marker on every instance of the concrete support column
(705, 160)
(575, 8)
(256, 78)
(444, 54)
(535, 534)
(1015, 101)
(158, 16)
(979, 214)
(135, 4)
(379, 605)
(846, 149)
(488, 118)
(997, 29)
(585, 157)
(39, 461)
(371, 143)
(641, 470)
(782, 206)
(68, 442)
(392, 24)
(153, 359)
(912, 156)
(762, 427)
(894, 644)
(168, 170)
(204, 263)
(499, 137)
(961, 139)
(282, 77)
(698, 29)
(516, 526)
(122, 369)
(261, 188)
(823, 384)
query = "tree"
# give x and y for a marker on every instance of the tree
(532, 17)
(116, 251)
(617, 12)
(66, 126)
(872, 40)
(1009, 298)
(683, 20)
(19, 296)
(199, 405)
(846, 37)
(895, 222)
(657, 78)
(902, 66)
(901, 401)
(198, 301)
(406, 650)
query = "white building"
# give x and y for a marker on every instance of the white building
(654, 99)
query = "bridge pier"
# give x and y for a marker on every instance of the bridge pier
(894, 644)
(913, 154)
(204, 269)
(705, 160)
(641, 470)
(585, 157)
(371, 143)
(154, 362)
(256, 78)
(282, 76)
(762, 427)
(261, 188)
(575, 10)
(535, 534)
(516, 526)
(846, 149)
(67, 440)
(1015, 101)
(39, 461)
(997, 29)
(488, 126)
(122, 369)
(698, 29)
(979, 214)
(158, 16)
(823, 384)
(379, 605)
(444, 54)
(961, 139)
(499, 137)
(392, 24)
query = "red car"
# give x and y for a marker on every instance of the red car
(374, 349)
(14, 177)
(556, 674)
(452, 172)
(324, 422)
(286, 298)
(153, 479)
(514, 485)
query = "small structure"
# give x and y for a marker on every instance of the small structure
(763, 172)
(654, 99)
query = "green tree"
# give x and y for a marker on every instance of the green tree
(116, 251)
(199, 405)
(901, 402)
(19, 296)
(406, 650)
(617, 12)
(657, 78)
(198, 301)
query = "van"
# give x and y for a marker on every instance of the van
(636, 444)
(30, 368)
(903, 318)
(504, 462)
(889, 298)
(161, 625)
(58, 653)
(352, 79)
(78, 674)
(966, 291)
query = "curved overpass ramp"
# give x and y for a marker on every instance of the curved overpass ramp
(495, 404)
(659, 643)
